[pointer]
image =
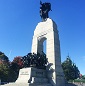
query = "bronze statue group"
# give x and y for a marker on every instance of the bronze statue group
(35, 60)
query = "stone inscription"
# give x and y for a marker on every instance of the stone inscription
(24, 73)
(41, 73)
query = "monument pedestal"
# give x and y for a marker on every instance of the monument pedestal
(31, 77)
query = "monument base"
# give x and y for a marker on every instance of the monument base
(47, 31)
(31, 77)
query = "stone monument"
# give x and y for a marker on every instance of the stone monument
(53, 74)
(47, 30)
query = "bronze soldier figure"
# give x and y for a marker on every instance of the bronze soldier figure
(44, 9)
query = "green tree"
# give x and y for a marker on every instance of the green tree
(18, 61)
(70, 70)
(83, 76)
(76, 71)
(3, 57)
(4, 67)
(9, 70)
(4, 72)
(15, 66)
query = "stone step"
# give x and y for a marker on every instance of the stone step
(26, 84)
(16, 84)
(40, 84)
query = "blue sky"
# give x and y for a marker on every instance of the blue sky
(18, 19)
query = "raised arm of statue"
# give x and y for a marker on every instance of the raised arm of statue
(44, 9)
(41, 2)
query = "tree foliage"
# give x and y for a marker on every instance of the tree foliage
(6, 72)
(15, 66)
(71, 71)
(3, 58)
(4, 67)
(83, 76)
(17, 62)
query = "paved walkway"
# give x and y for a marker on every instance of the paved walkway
(80, 84)
(76, 84)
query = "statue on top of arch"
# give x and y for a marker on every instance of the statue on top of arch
(44, 9)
